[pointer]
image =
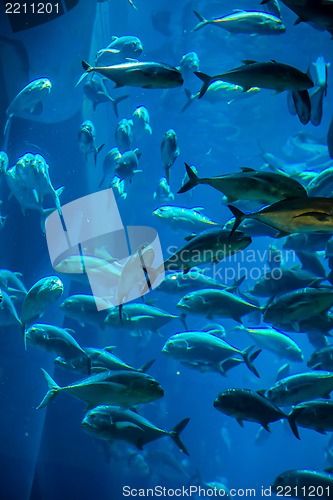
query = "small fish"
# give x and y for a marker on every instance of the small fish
(280, 344)
(277, 282)
(219, 91)
(298, 215)
(148, 75)
(140, 123)
(169, 151)
(127, 165)
(29, 181)
(316, 415)
(83, 309)
(265, 75)
(119, 388)
(8, 313)
(40, 296)
(189, 219)
(212, 303)
(322, 359)
(109, 164)
(55, 339)
(178, 283)
(245, 21)
(96, 92)
(100, 359)
(124, 135)
(299, 305)
(189, 63)
(87, 137)
(110, 423)
(205, 352)
(120, 49)
(301, 387)
(163, 192)
(302, 481)
(139, 316)
(251, 406)
(211, 246)
(29, 100)
(249, 184)
(11, 283)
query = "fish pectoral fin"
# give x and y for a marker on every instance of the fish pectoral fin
(110, 348)
(37, 108)
(265, 426)
(35, 195)
(281, 234)
(70, 331)
(190, 237)
(321, 431)
(295, 326)
(319, 216)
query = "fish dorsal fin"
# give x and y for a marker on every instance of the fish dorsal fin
(37, 109)
(238, 10)
(110, 348)
(130, 59)
(198, 209)
(190, 237)
(70, 331)
(273, 61)
(248, 61)
(247, 169)
(261, 392)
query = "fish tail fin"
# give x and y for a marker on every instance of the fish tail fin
(190, 98)
(87, 69)
(202, 23)
(249, 358)
(193, 180)
(86, 66)
(293, 426)
(116, 101)
(54, 388)
(98, 150)
(239, 216)
(44, 215)
(206, 81)
(175, 435)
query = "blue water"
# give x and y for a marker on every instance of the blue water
(45, 454)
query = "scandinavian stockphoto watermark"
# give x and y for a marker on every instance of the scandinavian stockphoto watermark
(88, 237)
(250, 263)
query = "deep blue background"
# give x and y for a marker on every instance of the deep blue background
(44, 454)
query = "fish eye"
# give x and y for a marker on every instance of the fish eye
(153, 383)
